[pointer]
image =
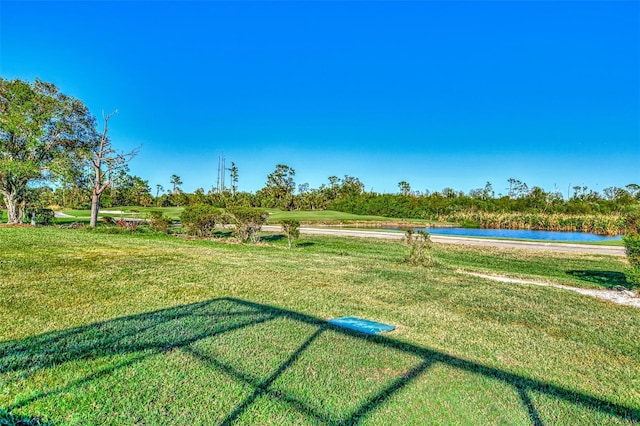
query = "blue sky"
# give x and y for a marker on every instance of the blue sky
(440, 94)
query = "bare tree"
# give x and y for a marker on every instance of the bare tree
(104, 156)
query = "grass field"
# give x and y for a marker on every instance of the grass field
(317, 218)
(331, 217)
(142, 329)
(127, 211)
(275, 215)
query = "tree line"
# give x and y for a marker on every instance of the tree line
(348, 194)
(52, 154)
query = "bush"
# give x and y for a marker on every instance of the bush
(631, 241)
(43, 216)
(291, 229)
(127, 224)
(158, 222)
(248, 222)
(419, 244)
(200, 220)
(108, 220)
(632, 245)
(467, 223)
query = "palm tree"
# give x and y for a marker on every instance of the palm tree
(176, 182)
(159, 189)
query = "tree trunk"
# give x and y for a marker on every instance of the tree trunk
(21, 210)
(95, 208)
(13, 214)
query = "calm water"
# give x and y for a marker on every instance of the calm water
(519, 234)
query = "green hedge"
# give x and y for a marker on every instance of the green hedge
(201, 220)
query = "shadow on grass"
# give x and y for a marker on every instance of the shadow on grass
(608, 279)
(318, 348)
(304, 243)
(10, 419)
(226, 233)
(272, 237)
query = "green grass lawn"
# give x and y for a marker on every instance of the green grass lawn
(317, 218)
(127, 211)
(141, 329)
(332, 217)
(275, 215)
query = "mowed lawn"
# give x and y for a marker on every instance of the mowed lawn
(117, 329)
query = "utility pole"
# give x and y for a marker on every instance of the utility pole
(220, 185)
(218, 177)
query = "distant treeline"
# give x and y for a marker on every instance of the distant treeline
(438, 205)
(520, 208)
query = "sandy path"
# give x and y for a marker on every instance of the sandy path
(62, 215)
(627, 298)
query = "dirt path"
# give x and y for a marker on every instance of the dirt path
(61, 215)
(626, 297)
(557, 247)
(64, 215)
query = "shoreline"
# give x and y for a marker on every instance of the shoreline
(532, 245)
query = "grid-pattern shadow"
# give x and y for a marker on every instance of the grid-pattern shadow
(229, 361)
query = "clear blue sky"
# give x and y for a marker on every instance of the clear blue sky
(440, 94)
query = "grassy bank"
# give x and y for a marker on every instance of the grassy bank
(123, 329)
(330, 217)
(600, 224)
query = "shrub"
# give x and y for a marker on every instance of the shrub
(248, 222)
(467, 223)
(419, 244)
(158, 222)
(632, 245)
(127, 224)
(42, 216)
(108, 220)
(200, 220)
(291, 229)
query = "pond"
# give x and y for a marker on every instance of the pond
(524, 234)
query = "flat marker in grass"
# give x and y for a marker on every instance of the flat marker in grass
(362, 325)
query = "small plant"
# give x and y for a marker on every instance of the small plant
(108, 220)
(248, 222)
(200, 220)
(291, 229)
(127, 224)
(419, 243)
(158, 222)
